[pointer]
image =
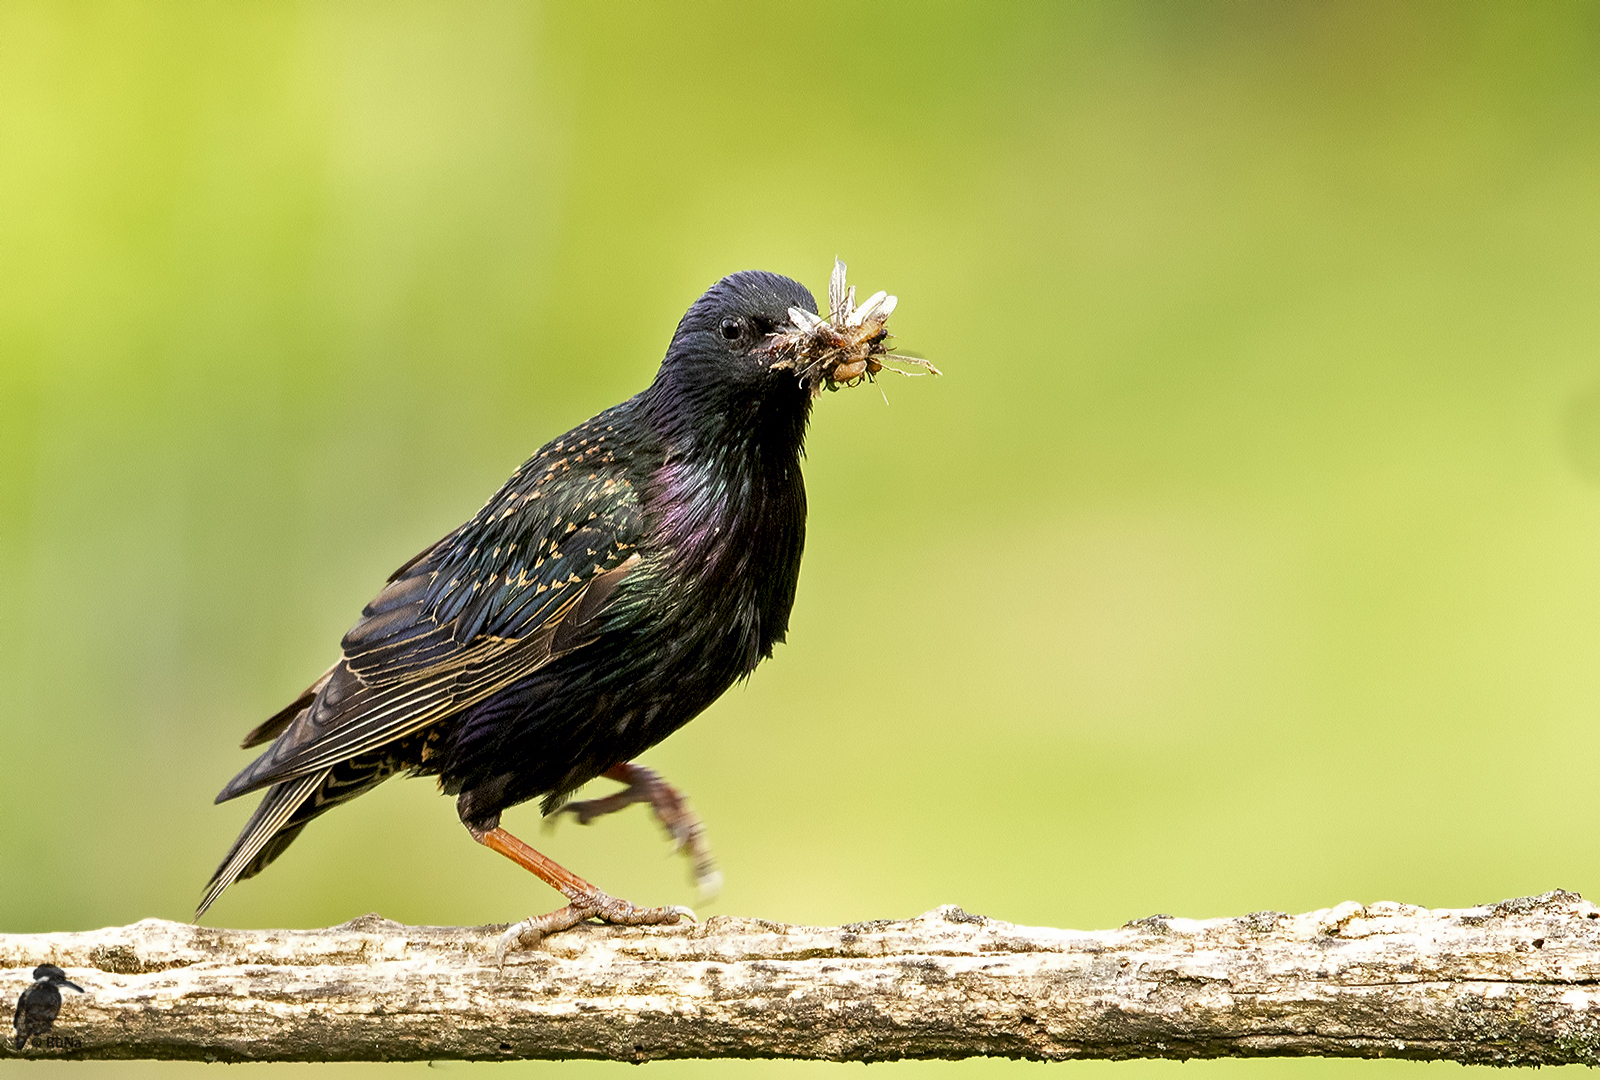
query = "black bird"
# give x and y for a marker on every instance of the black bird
(623, 578)
(40, 1004)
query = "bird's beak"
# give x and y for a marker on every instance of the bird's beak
(74, 985)
(842, 348)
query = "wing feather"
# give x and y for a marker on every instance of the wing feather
(519, 585)
(275, 724)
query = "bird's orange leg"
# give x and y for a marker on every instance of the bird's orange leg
(587, 902)
(546, 869)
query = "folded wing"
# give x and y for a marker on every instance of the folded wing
(480, 611)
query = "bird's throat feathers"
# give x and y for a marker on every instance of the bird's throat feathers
(729, 493)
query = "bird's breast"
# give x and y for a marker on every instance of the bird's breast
(731, 536)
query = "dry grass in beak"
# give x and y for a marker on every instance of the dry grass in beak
(847, 347)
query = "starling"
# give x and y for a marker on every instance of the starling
(623, 578)
(40, 1004)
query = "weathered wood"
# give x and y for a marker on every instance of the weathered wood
(1516, 983)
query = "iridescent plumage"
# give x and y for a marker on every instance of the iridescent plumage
(620, 581)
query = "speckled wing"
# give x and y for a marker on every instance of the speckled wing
(519, 584)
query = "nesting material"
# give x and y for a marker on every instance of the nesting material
(850, 345)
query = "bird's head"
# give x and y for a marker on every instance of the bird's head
(759, 330)
(726, 336)
(752, 353)
(49, 973)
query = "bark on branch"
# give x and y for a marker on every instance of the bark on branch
(1516, 983)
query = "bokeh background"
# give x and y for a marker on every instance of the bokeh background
(1247, 556)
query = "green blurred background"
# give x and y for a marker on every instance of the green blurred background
(1247, 556)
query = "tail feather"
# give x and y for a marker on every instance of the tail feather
(265, 825)
(287, 807)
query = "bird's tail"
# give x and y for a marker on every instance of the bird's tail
(285, 810)
(276, 822)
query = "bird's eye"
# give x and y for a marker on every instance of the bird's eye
(732, 329)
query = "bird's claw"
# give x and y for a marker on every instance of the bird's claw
(586, 810)
(671, 810)
(597, 905)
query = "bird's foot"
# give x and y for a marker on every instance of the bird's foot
(596, 905)
(671, 809)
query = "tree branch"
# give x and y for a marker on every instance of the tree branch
(1517, 983)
